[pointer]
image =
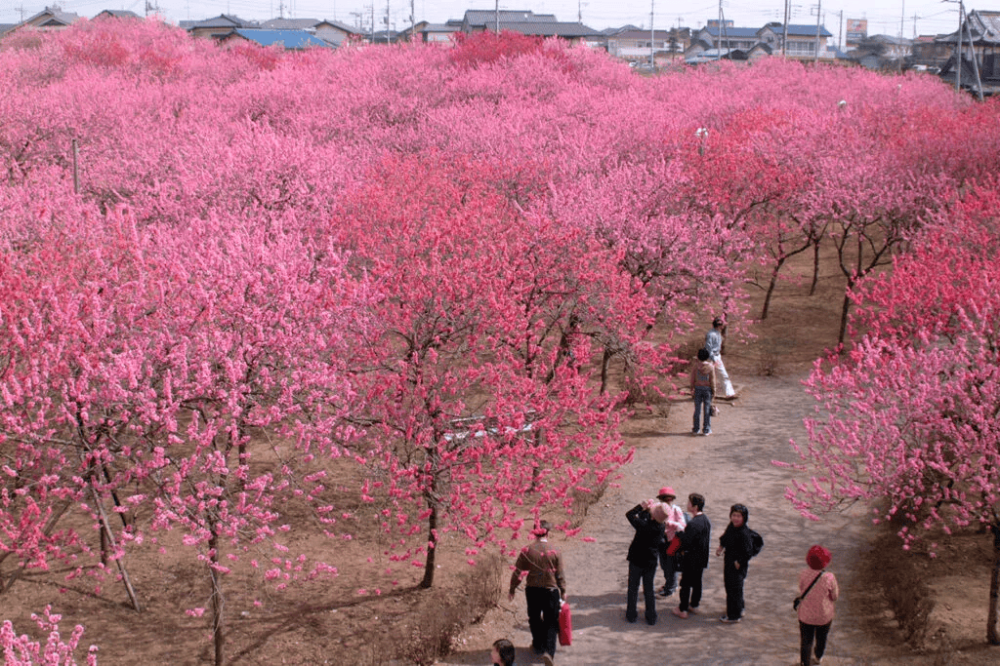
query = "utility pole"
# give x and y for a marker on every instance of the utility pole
(652, 34)
(840, 38)
(819, 22)
(579, 11)
(915, 17)
(784, 36)
(902, 49)
(496, 14)
(387, 21)
(413, 19)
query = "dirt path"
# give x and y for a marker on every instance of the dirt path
(732, 465)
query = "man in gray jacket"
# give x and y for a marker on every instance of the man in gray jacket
(713, 343)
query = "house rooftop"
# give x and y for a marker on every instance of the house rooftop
(290, 39)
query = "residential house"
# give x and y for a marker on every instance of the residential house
(439, 33)
(290, 40)
(50, 18)
(728, 37)
(117, 14)
(930, 54)
(802, 41)
(529, 23)
(333, 32)
(217, 27)
(980, 49)
(634, 44)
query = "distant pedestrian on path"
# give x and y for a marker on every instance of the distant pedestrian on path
(737, 546)
(542, 567)
(696, 546)
(647, 518)
(672, 528)
(703, 388)
(713, 343)
(818, 592)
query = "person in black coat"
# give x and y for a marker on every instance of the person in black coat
(696, 546)
(643, 556)
(737, 545)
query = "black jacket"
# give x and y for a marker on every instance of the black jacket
(696, 541)
(649, 534)
(738, 545)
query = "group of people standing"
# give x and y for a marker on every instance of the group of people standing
(676, 541)
(681, 542)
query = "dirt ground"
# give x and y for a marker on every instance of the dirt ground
(330, 622)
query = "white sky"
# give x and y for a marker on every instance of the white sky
(884, 16)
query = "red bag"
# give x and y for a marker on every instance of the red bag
(674, 546)
(565, 625)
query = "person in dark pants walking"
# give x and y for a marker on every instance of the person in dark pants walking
(696, 546)
(737, 545)
(818, 591)
(541, 565)
(643, 556)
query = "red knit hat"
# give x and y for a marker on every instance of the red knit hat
(666, 491)
(818, 558)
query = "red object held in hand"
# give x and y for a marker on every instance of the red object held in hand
(565, 625)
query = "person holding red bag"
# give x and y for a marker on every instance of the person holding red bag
(671, 544)
(545, 585)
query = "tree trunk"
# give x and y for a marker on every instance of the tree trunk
(605, 365)
(812, 288)
(843, 315)
(992, 634)
(218, 603)
(429, 565)
(770, 288)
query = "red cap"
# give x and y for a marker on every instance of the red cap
(667, 490)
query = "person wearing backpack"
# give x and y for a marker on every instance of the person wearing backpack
(818, 592)
(737, 544)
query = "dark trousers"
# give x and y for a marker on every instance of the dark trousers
(691, 588)
(647, 575)
(543, 618)
(734, 578)
(807, 632)
(669, 565)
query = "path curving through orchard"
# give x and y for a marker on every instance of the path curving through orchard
(732, 465)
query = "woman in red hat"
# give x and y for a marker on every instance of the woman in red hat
(818, 592)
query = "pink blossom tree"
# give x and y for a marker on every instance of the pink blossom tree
(908, 416)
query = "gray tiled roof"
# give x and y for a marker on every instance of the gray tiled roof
(803, 30)
(984, 26)
(487, 18)
(553, 29)
(289, 24)
(222, 21)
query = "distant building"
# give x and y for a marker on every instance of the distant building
(635, 45)
(290, 40)
(980, 49)
(50, 18)
(528, 23)
(219, 26)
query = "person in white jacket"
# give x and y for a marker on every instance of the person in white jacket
(673, 526)
(713, 343)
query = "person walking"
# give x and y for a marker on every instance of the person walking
(696, 546)
(737, 546)
(818, 592)
(541, 566)
(713, 343)
(703, 388)
(672, 528)
(647, 518)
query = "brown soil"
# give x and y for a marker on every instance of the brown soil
(329, 622)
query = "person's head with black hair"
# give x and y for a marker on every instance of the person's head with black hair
(703, 354)
(503, 652)
(697, 502)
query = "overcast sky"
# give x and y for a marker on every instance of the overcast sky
(884, 16)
